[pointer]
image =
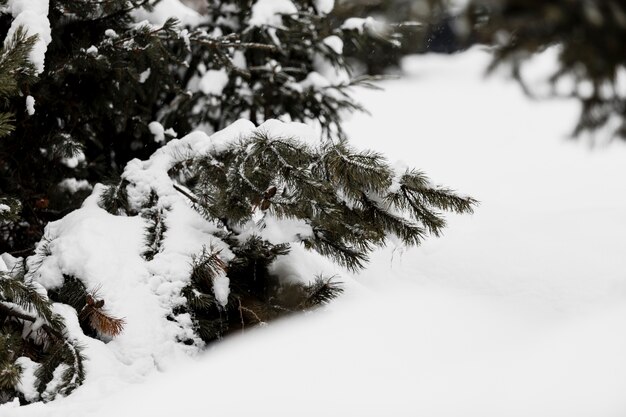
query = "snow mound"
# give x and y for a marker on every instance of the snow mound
(106, 253)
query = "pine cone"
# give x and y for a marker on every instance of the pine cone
(269, 193)
(265, 204)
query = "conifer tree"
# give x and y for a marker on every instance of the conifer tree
(589, 39)
(113, 91)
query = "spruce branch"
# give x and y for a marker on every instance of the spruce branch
(321, 291)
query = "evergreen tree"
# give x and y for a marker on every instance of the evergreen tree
(90, 114)
(589, 36)
(113, 90)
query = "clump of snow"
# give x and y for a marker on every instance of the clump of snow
(166, 9)
(110, 33)
(325, 6)
(269, 12)
(292, 130)
(27, 380)
(357, 23)
(33, 16)
(144, 76)
(72, 185)
(4, 208)
(335, 43)
(8, 262)
(221, 289)
(213, 82)
(315, 80)
(30, 105)
(158, 131)
(74, 161)
(92, 51)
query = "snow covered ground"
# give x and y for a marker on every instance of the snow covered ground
(518, 310)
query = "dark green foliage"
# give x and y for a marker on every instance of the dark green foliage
(14, 71)
(589, 36)
(321, 291)
(72, 292)
(88, 103)
(93, 319)
(267, 69)
(29, 328)
(114, 199)
(156, 227)
(256, 296)
(351, 199)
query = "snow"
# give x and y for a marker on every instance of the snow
(92, 51)
(325, 6)
(33, 16)
(166, 9)
(170, 131)
(27, 380)
(335, 43)
(158, 131)
(30, 105)
(72, 185)
(74, 161)
(518, 310)
(357, 23)
(293, 130)
(315, 80)
(213, 82)
(221, 289)
(144, 76)
(104, 252)
(7, 262)
(269, 12)
(4, 208)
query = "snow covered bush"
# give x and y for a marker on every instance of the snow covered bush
(199, 236)
(210, 235)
